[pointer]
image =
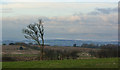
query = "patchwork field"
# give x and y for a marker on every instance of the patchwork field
(14, 49)
(27, 58)
(13, 53)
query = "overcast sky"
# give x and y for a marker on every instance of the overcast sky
(59, 1)
(74, 21)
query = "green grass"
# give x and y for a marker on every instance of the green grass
(81, 63)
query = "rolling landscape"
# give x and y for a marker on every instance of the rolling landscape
(58, 35)
(71, 57)
(60, 42)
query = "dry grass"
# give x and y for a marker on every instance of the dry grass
(14, 49)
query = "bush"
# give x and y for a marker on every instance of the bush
(8, 59)
(56, 54)
(105, 51)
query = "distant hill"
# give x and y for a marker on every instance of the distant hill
(57, 42)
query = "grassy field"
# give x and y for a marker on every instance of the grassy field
(81, 63)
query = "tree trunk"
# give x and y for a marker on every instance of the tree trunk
(41, 57)
(41, 52)
(42, 49)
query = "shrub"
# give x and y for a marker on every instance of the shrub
(105, 51)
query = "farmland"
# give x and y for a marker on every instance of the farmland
(13, 57)
(12, 51)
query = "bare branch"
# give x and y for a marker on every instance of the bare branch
(35, 31)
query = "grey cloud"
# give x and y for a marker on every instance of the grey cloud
(6, 10)
(94, 13)
(71, 27)
(107, 10)
(99, 11)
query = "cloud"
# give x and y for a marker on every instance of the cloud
(58, 9)
(79, 26)
(107, 10)
(59, 1)
(6, 10)
(99, 11)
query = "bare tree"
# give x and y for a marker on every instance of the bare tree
(35, 32)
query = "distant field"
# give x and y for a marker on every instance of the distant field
(14, 49)
(81, 63)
